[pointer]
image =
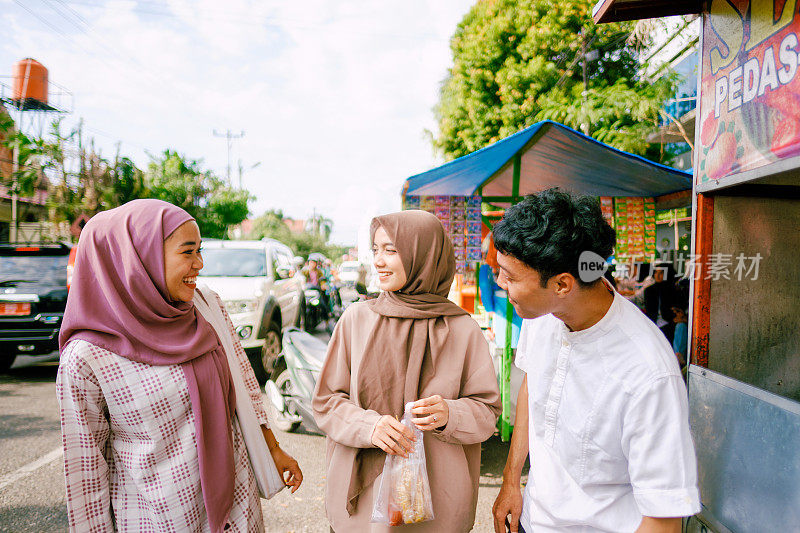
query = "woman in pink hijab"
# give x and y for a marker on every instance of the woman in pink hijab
(151, 440)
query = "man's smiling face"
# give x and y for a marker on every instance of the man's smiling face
(524, 288)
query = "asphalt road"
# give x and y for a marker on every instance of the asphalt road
(304, 511)
(31, 469)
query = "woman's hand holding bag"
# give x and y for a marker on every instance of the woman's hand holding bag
(432, 413)
(395, 438)
(392, 436)
(404, 493)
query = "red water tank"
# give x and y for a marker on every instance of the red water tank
(30, 81)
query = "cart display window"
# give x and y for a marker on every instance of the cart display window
(755, 318)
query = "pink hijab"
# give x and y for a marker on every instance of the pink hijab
(119, 301)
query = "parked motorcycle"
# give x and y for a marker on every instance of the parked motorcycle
(291, 386)
(316, 310)
(335, 306)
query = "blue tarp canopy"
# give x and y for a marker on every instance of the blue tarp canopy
(550, 155)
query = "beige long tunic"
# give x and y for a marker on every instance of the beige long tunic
(467, 381)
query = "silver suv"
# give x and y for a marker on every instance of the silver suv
(262, 291)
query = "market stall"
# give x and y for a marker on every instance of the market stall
(468, 194)
(744, 385)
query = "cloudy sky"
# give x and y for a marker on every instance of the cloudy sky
(333, 96)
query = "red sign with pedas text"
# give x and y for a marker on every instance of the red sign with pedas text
(750, 88)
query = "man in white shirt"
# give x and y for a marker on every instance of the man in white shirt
(603, 410)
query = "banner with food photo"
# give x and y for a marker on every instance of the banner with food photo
(607, 208)
(750, 96)
(411, 202)
(461, 218)
(635, 225)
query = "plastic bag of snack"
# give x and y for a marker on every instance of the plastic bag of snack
(404, 494)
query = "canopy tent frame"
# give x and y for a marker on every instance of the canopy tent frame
(559, 155)
(473, 173)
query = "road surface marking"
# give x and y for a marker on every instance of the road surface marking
(30, 468)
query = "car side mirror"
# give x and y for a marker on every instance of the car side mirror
(283, 272)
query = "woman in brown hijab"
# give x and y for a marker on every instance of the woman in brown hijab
(411, 344)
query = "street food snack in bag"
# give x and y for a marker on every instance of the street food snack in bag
(404, 494)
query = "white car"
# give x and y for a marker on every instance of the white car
(262, 291)
(352, 272)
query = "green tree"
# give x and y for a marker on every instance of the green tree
(28, 176)
(516, 62)
(271, 224)
(81, 181)
(84, 182)
(174, 178)
(321, 225)
(127, 182)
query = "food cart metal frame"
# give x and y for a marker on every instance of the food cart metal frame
(744, 383)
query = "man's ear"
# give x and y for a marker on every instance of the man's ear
(564, 284)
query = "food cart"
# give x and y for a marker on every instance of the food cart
(544, 155)
(744, 383)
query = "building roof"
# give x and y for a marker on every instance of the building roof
(619, 10)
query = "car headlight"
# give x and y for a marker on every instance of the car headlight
(244, 332)
(241, 306)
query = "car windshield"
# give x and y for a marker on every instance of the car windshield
(232, 262)
(17, 271)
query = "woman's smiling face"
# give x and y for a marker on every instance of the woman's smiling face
(391, 274)
(182, 261)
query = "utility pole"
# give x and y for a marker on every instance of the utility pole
(242, 169)
(587, 55)
(13, 234)
(14, 193)
(584, 94)
(230, 138)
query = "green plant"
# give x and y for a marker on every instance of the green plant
(516, 62)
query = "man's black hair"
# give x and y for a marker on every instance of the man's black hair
(548, 232)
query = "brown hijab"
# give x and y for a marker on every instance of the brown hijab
(410, 335)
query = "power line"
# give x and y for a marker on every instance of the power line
(250, 19)
(75, 14)
(115, 138)
(63, 35)
(109, 48)
(42, 20)
(65, 13)
(116, 65)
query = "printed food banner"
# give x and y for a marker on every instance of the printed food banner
(461, 218)
(607, 208)
(750, 89)
(635, 224)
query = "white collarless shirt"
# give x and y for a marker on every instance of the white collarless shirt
(609, 437)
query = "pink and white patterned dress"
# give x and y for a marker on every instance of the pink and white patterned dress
(130, 457)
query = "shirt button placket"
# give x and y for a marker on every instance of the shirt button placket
(556, 389)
